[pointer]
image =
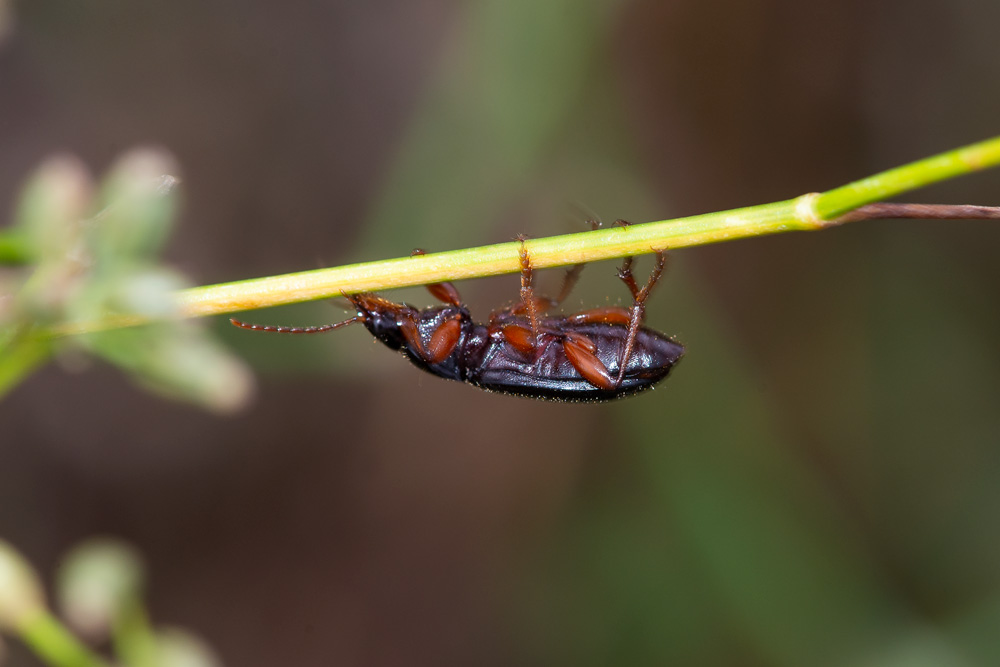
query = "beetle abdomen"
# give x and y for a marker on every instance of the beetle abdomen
(551, 375)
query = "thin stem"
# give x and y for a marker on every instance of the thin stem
(56, 645)
(919, 211)
(134, 639)
(942, 167)
(806, 213)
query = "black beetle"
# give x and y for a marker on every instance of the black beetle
(594, 355)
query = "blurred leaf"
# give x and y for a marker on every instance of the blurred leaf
(89, 265)
(50, 219)
(53, 206)
(139, 199)
(178, 361)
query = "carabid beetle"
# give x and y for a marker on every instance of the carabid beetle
(594, 355)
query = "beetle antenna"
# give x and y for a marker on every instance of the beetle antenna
(295, 330)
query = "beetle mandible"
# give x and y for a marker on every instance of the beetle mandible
(594, 355)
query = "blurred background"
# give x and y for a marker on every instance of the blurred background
(818, 483)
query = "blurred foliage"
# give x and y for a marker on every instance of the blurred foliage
(99, 591)
(80, 252)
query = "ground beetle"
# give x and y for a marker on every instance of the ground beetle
(594, 355)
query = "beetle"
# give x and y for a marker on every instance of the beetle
(594, 355)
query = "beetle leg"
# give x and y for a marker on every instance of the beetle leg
(444, 292)
(573, 274)
(412, 335)
(520, 338)
(604, 315)
(580, 351)
(638, 311)
(625, 272)
(527, 292)
(541, 303)
(570, 278)
(443, 340)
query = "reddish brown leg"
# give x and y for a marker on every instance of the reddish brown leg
(580, 351)
(444, 292)
(573, 274)
(520, 338)
(638, 310)
(442, 342)
(570, 278)
(541, 303)
(603, 315)
(625, 272)
(527, 292)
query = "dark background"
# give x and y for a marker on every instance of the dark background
(817, 484)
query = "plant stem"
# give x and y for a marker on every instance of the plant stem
(134, 639)
(56, 645)
(941, 167)
(808, 212)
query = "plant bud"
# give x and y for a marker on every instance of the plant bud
(179, 648)
(96, 580)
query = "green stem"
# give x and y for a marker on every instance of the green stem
(13, 248)
(134, 639)
(808, 212)
(56, 645)
(941, 167)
